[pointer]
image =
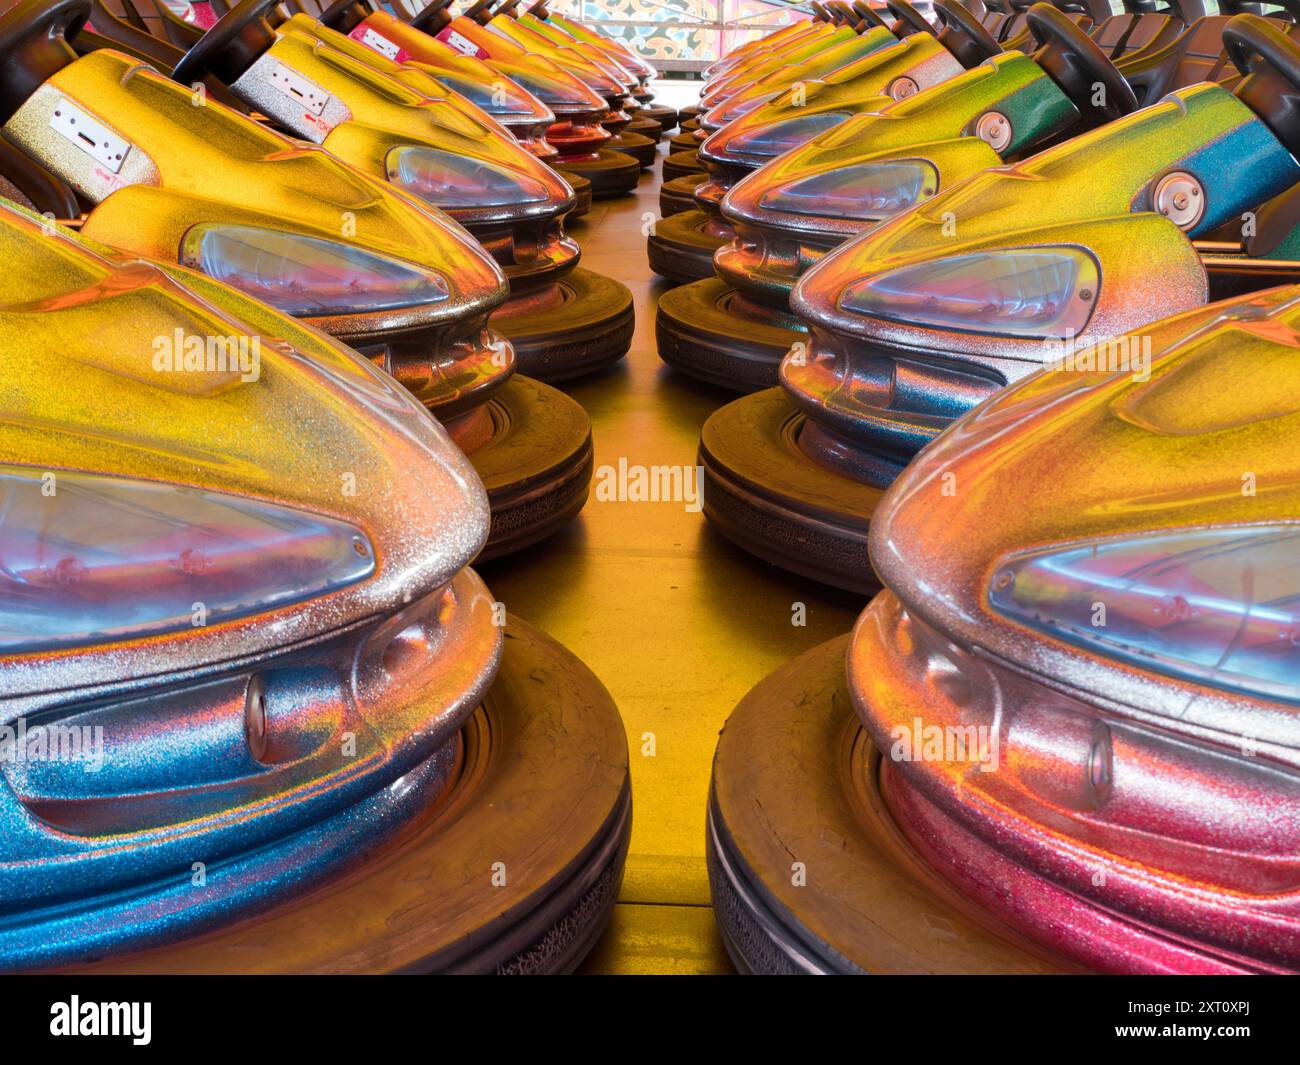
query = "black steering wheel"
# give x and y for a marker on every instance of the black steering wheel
(1078, 66)
(432, 17)
(480, 11)
(1286, 10)
(345, 15)
(231, 46)
(1270, 61)
(34, 46)
(867, 13)
(908, 16)
(962, 34)
(1186, 11)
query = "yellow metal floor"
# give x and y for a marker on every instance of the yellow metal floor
(676, 623)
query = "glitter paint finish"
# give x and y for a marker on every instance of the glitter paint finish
(211, 165)
(577, 105)
(193, 429)
(1076, 193)
(896, 383)
(779, 42)
(388, 108)
(749, 71)
(935, 125)
(616, 49)
(507, 102)
(733, 96)
(361, 735)
(601, 74)
(604, 58)
(243, 885)
(274, 747)
(535, 75)
(864, 85)
(1133, 818)
(809, 111)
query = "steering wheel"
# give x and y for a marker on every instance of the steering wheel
(432, 17)
(1078, 66)
(908, 16)
(867, 13)
(345, 15)
(480, 11)
(963, 35)
(34, 46)
(1270, 62)
(1285, 10)
(233, 44)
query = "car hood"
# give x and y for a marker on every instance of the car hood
(782, 72)
(1092, 193)
(306, 427)
(1089, 457)
(895, 71)
(937, 125)
(187, 165)
(384, 107)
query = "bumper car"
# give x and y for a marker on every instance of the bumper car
(969, 40)
(678, 192)
(768, 74)
(579, 136)
(683, 158)
(665, 116)
(289, 223)
(629, 72)
(606, 77)
(807, 60)
(734, 329)
(934, 311)
(820, 25)
(818, 52)
(681, 247)
(1075, 743)
(248, 722)
(520, 111)
(816, 21)
(516, 109)
(510, 104)
(561, 320)
(818, 30)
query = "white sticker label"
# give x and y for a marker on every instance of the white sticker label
(462, 43)
(92, 137)
(296, 87)
(382, 45)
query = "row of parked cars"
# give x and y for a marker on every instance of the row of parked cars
(1011, 297)
(284, 288)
